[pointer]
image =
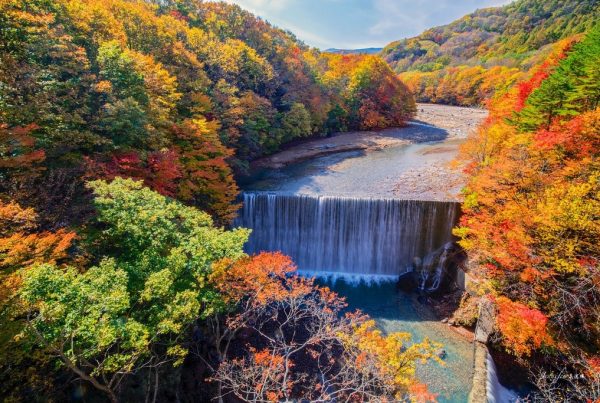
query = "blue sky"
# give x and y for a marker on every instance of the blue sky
(360, 23)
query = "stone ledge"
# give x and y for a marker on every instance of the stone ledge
(480, 377)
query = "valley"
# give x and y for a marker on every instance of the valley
(359, 219)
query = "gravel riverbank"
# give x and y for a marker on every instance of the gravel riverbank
(412, 162)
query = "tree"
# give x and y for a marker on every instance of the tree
(18, 157)
(530, 222)
(296, 123)
(524, 329)
(376, 98)
(22, 245)
(129, 313)
(303, 346)
(82, 319)
(91, 80)
(160, 170)
(206, 177)
(568, 91)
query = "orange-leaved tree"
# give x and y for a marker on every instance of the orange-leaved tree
(301, 344)
(22, 245)
(531, 223)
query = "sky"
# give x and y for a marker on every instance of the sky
(353, 24)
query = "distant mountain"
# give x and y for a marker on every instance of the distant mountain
(493, 36)
(501, 38)
(365, 51)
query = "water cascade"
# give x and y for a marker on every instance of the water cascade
(355, 238)
(431, 271)
(496, 393)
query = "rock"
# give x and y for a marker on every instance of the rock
(407, 282)
(442, 354)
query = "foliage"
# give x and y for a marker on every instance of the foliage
(467, 313)
(531, 223)
(303, 346)
(165, 100)
(571, 89)
(130, 311)
(461, 85)
(563, 386)
(174, 93)
(524, 329)
(164, 267)
(22, 244)
(493, 45)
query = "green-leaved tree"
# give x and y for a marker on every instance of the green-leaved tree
(131, 311)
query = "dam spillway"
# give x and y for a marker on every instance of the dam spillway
(346, 236)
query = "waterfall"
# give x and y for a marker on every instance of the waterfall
(496, 393)
(350, 237)
(432, 271)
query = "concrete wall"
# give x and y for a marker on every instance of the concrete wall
(479, 390)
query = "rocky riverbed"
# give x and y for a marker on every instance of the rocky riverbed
(456, 121)
(413, 162)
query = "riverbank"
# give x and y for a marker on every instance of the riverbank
(458, 122)
(413, 162)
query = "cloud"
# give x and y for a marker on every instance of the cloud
(399, 15)
(260, 6)
(275, 11)
(309, 37)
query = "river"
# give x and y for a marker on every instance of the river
(358, 218)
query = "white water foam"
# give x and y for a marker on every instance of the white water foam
(349, 278)
(496, 392)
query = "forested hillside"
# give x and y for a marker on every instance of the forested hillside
(122, 124)
(487, 51)
(175, 93)
(531, 223)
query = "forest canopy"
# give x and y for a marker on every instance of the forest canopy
(123, 124)
(531, 224)
(487, 51)
(163, 295)
(179, 94)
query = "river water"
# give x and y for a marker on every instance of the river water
(347, 218)
(373, 174)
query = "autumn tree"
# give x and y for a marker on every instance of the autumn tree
(19, 158)
(568, 91)
(530, 220)
(303, 345)
(23, 244)
(376, 97)
(129, 88)
(483, 53)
